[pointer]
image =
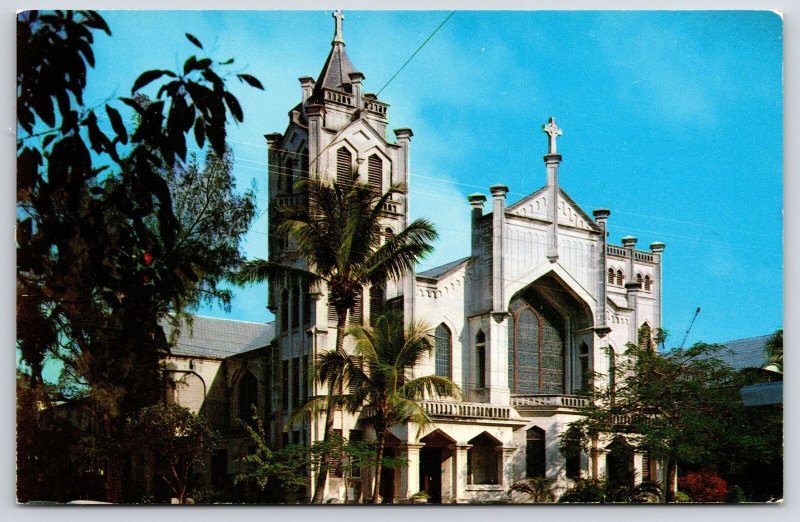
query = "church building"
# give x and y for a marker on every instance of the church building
(541, 307)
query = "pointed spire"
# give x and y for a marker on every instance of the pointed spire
(337, 34)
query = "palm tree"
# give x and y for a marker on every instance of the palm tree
(382, 383)
(340, 238)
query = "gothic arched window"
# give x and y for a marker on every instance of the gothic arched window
(480, 359)
(288, 177)
(535, 452)
(535, 349)
(284, 310)
(612, 371)
(639, 278)
(295, 306)
(344, 167)
(248, 396)
(583, 357)
(647, 283)
(442, 351)
(611, 276)
(620, 278)
(375, 173)
(388, 233)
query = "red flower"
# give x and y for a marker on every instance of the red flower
(148, 258)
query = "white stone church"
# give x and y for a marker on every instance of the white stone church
(542, 304)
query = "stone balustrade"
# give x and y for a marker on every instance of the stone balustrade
(467, 409)
(549, 401)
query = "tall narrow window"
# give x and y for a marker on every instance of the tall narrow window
(284, 310)
(639, 279)
(248, 396)
(573, 457)
(646, 337)
(285, 383)
(357, 312)
(620, 278)
(288, 177)
(535, 455)
(442, 351)
(375, 303)
(306, 372)
(344, 167)
(584, 368)
(306, 303)
(647, 283)
(295, 306)
(375, 173)
(611, 276)
(388, 233)
(296, 382)
(612, 372)
(480, 359)
(358, 362)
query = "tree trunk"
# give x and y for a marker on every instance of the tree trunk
(376, 492)
(324, 465)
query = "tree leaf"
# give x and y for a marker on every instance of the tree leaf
(251, 80)
(116, 124)
(149, 76)
(233, 106)
(194, 40)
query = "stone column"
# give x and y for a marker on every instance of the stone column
(552, 161)
(409, 475)
(601, 324)
(631, 286)
(404, 141)
(460, 472)
(476, 201)
(506, 467)
(657, 249)
(316, 119)
(307, 85)
(498, 259)
(355, 79)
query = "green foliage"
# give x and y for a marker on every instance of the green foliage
(774, 351)
(683, 407)
(173, 441)
(340, 238)
(103, 252)
(584, 492)
(539, 489)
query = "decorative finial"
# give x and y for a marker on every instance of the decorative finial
(337, 36)
(553, 131)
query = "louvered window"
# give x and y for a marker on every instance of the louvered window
(620, 278)
(611, 276)
(480, 356)
(357, 312)
(375, 304)
(358, 362)
(647, 283)
(344, 167)
(295, 306)
(375, 169)
(284, 310)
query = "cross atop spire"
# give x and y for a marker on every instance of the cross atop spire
(552, 130)
(337, 35)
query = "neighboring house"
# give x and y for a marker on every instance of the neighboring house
(520, 325)
(750, 354)
(219, 368)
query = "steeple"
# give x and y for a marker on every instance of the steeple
(337, 69)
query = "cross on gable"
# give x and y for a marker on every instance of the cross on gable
(337, 36)
(552, 130)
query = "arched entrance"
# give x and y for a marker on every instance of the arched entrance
(435, 458)
(619, 464)
(548, 339)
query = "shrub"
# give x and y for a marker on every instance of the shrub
(704, 486)
(585, 492)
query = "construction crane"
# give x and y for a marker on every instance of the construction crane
(691, 323)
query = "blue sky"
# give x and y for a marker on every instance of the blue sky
(673, 120)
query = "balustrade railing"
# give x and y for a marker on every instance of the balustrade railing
(557, 401)
(466, 409)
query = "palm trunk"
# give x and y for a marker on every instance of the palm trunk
(376, 497)
(324, 465)
(669, 480)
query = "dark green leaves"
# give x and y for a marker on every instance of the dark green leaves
(194, 40)
(149, 76)
(116, 124)
(250, 80)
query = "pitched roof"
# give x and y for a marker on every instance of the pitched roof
(214, 338)
(745, 353)
(439, 271)
(336, 71)
(762, 394)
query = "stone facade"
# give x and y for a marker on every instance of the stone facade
(542, 304)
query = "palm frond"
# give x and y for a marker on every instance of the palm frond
(307, 411)
(401, 252)
(430, 386)
(260, 271)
